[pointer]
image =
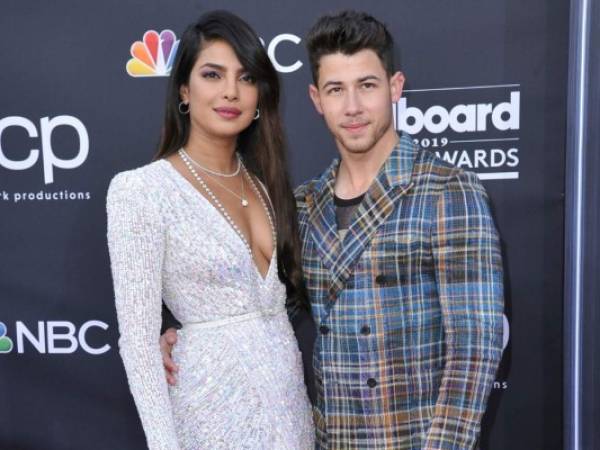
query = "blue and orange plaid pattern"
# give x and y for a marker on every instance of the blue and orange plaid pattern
(409, 306)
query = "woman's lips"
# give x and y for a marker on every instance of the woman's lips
(228, 113)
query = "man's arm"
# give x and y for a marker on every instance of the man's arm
(469, 276)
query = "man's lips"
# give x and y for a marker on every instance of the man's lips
(354, 127)
(228, 113)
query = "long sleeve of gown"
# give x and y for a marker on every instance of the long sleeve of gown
(136, 245)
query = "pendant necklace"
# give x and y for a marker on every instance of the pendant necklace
(185, 158)
(189, 161)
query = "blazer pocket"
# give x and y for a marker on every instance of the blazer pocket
(402, 257)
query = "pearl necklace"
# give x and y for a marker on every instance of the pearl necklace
(220, 207)
(187, 160)
(214, 172)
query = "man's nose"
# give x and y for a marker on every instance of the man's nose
(353, 104)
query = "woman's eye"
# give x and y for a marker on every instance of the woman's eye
(247, 78)
(210, 75)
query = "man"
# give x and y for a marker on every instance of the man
(401, 260)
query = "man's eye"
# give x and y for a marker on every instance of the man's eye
(369, 85)
(334, 90)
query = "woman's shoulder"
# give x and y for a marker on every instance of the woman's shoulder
(145, 178)
(141, 182)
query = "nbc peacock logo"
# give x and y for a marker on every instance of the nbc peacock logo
(6, 344)
(153, 56)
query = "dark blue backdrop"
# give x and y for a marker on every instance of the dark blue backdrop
(63, 385)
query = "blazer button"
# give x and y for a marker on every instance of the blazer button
(366, 329)
(324, 329)
(371, 382)
(380, 279)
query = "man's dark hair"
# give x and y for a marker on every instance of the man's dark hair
(349, 32)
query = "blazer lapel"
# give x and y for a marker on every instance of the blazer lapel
(321, 214)
(391, 183)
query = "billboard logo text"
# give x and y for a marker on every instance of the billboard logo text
(461, 118)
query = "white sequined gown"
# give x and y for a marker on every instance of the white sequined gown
(240, 384)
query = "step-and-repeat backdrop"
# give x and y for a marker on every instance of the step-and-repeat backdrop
(82, 88)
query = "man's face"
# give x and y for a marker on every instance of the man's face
(354, 95)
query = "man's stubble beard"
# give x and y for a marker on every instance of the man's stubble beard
(372, 140)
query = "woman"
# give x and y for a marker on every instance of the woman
(197, 229)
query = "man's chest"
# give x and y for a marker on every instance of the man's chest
(396, 251)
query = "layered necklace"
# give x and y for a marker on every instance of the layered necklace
(190, 163)
(187, 159)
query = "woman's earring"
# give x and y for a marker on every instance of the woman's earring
(257, 115)
(184, 108)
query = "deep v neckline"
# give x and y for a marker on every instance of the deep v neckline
(239, 239)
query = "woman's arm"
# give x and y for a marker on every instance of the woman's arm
(136, 246)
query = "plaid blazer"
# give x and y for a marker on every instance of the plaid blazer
(408, 307)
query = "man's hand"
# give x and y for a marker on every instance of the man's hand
(167, 341)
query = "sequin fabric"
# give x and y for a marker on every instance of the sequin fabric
(240, 383)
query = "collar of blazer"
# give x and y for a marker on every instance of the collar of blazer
(392, 181)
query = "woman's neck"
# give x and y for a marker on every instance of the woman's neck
(217, 154)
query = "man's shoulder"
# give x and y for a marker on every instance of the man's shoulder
(428, 163)
(304, 188)
(434, 172)
(312, 185)
(300, 193)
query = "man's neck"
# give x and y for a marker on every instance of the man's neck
(358, 170)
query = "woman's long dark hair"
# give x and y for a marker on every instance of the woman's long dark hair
(262, 144)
